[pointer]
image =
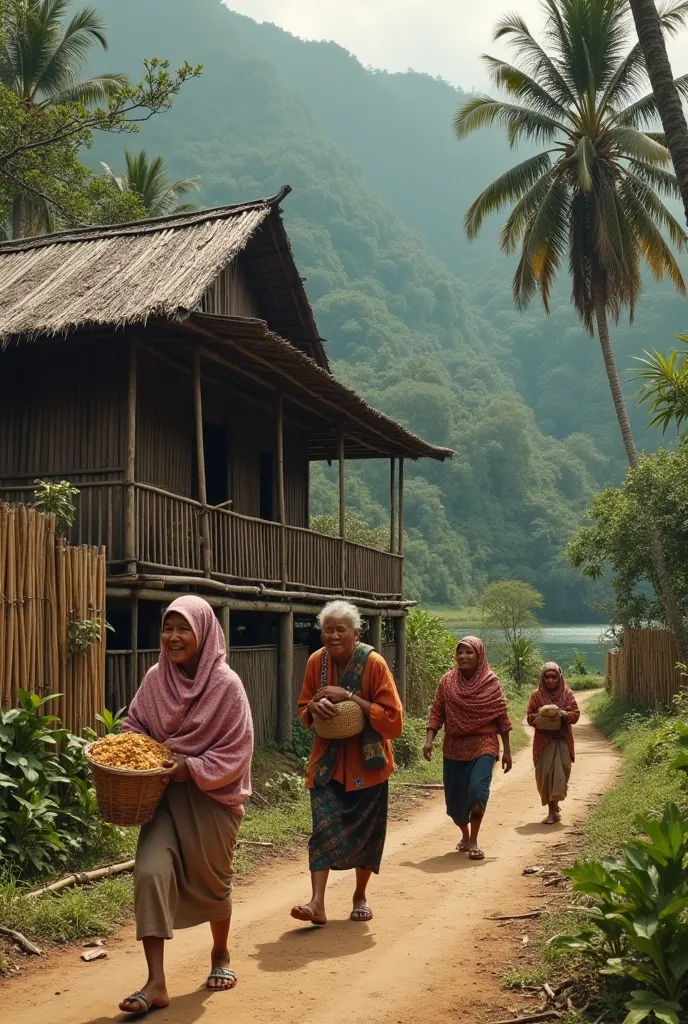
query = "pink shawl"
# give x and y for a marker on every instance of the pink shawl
(476, 702)
(207, 719)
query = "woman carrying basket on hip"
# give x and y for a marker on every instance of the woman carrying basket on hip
(553, 749)
(347, 777)
(192, 702)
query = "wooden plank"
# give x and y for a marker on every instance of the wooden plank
(279, 444)
(400, 541)
(206, 552)
(130, 514)
(392, 507)
(285, 678)
(342, 515)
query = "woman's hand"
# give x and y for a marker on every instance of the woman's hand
(335, 694)
(178, 769)
(427, 749)
(322, 708)
(507, 762)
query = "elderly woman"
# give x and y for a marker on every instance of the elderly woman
(469, 703)
(347, 778)
(193, 703)
(553, 749)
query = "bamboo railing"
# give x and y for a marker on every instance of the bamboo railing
(644, 670)
(44, 585)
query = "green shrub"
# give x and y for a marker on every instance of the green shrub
(578, 666)
(408, 747)
(637, 923)
(521, 659)
(429, 654)
(56, 499)
(301, 739)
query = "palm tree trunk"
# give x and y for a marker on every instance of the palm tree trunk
(667, 591)
(666, 94)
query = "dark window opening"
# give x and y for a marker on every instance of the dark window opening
(216, 455)
(267, 486)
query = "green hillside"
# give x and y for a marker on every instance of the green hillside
(417, 320)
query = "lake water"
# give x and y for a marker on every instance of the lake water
(560, 642)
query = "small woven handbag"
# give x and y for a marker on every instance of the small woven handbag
(347, 721)
(550, 723)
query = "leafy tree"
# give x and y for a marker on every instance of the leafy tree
(617, 538)
(147, 178)
(594, 193)
(357, 530)
(665, 387)
(509, 606)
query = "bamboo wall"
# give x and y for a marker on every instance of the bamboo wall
(644, 670)
(230, 295)
(44, 585)
(257, 669)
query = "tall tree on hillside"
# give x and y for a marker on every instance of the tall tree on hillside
(148, 179)
(41, 59)
(593, 194)
(667, 93)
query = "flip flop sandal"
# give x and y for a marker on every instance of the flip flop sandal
(143, 999)
(223, 974)
(463, 846)
(300, 913)
(476, 854)
(361, 909)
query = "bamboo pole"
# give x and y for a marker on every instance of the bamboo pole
(400, 540)
(130, 514)
(206, 553)
(279, 444)
(342, 515)
(392, 507)
(285, 670)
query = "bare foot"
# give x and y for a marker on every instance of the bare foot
(311, 912)
(156, 994)
(219, 959)
(553, 818)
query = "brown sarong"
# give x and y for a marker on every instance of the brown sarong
(552, 772)
(183, 872)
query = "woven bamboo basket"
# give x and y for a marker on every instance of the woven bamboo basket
(126, 797)
(552, 724)
(348, 721)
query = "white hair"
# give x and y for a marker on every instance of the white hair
(341, 610)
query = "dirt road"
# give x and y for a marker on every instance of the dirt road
(426, 956)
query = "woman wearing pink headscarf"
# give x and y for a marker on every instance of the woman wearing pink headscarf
(553, 750)
(469, 703)
(193, 703)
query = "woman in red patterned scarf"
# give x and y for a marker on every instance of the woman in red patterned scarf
(469, 703)
(553, 750)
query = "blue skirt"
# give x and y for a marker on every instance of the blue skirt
(467, 783)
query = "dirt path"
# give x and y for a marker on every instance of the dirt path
(429, 955)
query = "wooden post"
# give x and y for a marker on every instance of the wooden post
(400, 660)
(206, 553)
(285, 670)
(279, 444)
(130, 511)
(400, 539)
(225, 623)
(375, 632)
(134, 662)
(342, 516)
(392, 506)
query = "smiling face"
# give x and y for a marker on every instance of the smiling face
(179, 640)
(467, 660)
(551, 679)
(339, 637)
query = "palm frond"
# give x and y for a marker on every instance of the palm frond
(655, 251)
(665, 386)
(673, 16)
(508, 187)
(613, 246)
(544, 245)
(643, 112)
(584, 158)
(628, 78)
(651, 202)
(663, 182)
(91, 90)
(632, 143)
(536, 61)
(517, 83)
(519, 122)
(523, 212)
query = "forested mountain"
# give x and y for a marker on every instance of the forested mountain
(421, 323)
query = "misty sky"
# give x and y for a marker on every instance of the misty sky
(440, 37)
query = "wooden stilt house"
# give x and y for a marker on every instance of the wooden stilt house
(172, 371)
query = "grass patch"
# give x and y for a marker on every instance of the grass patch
(458, 619)
(579, 684)
(525, 979)
(72, 914)
(647, 781)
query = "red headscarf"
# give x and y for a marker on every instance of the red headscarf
(474, 702)
(561, 694)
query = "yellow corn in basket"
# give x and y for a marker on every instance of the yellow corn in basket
(348, 721)
(126, 796)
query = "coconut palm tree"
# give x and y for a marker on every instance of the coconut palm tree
(41, 58)
(591, 195)
(147, 177)
(667, 92)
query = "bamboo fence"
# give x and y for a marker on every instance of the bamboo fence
(44, 585)
(644, 671)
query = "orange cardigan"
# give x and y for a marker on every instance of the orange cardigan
(386, 716)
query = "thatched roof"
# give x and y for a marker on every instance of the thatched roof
(248, 355)
(128, 273)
